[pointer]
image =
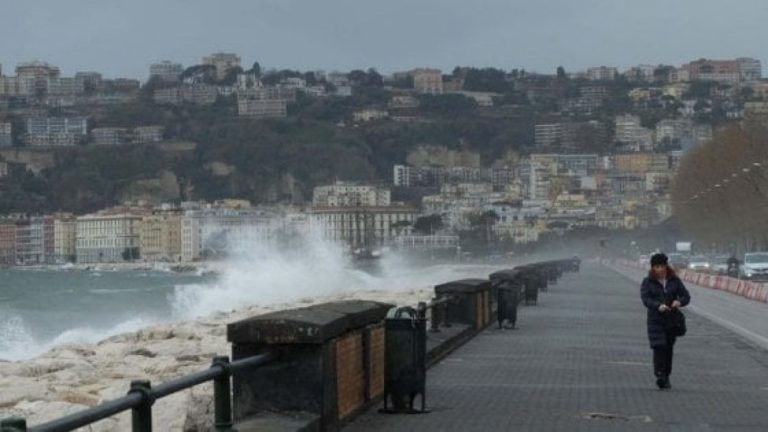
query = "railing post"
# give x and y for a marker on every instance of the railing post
(141, 416)
(444, 311)
(222, 396)
(434, 324)
(13, 424)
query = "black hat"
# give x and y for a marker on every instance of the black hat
(659, 259)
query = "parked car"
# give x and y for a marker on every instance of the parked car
(677, 261)
(699, 263)
(755, 266)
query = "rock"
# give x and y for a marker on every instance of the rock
(142, 352)
(16, 389)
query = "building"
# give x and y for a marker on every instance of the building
(161, 237)
(15, 87)
(750, 69)
(674, 131)
(602, 73)
(49, 125)
(222, 62)
(6, 135)
(36, 75)
(726, 71)
(65, 86)
(105, 237)
(7, 243)
(630, 133)
(577, 164)
(428, 81)
(262, 108)
(148, 134)
(3, 169)
(34, 241)
(55, 131)
(363, 226)
(548, 135)
(200, 94)
(220, 231)
(165, 71)
(641, 73)
(64, 239)
(109, 136)
(92, 81)
(346, 194)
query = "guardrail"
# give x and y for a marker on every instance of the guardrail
(332, 357)
(142, 396)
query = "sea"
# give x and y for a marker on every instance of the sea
(40, 309)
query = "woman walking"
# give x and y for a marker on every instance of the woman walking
(663, 294)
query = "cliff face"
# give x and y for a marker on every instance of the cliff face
(441, 156)
(154, 191)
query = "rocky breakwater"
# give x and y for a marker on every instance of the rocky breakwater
(71, 378)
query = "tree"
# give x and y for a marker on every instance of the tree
(561, 76)
(427, 225)
(231, 76)
(255, 69)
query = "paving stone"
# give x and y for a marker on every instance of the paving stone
(580, 361)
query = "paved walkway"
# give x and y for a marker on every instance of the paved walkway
(580, 361)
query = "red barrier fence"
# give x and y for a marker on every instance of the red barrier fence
(751, 290)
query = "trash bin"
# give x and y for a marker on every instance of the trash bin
(508, 285)
(406, 360)
(531, 279)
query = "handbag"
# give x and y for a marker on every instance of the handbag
(674, 322)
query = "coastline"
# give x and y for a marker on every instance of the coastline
(73, 377)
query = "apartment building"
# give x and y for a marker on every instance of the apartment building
(428, 81)
(222, 62)
(160, 237)
(347, 194)
(165, 71)
(106, 237)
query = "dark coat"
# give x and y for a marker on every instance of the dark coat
(653, 295)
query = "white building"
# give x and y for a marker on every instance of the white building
(347, 194)
(108, 238)
(364, 226)
(631, 133)
(262, 108)
(217, 232)
(166, 71)
(602, 73)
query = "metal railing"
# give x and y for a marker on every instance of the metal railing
(142, 396)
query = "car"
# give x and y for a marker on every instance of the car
(677, 261)
(755, 266)
(699, 263)
(719, 264)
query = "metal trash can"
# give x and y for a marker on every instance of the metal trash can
(531, 277)
(508, 286)
(406, 360)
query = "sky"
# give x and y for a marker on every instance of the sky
(122, 38)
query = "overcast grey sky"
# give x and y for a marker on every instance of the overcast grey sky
(121, 38)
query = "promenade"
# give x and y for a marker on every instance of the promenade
(580, 361)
